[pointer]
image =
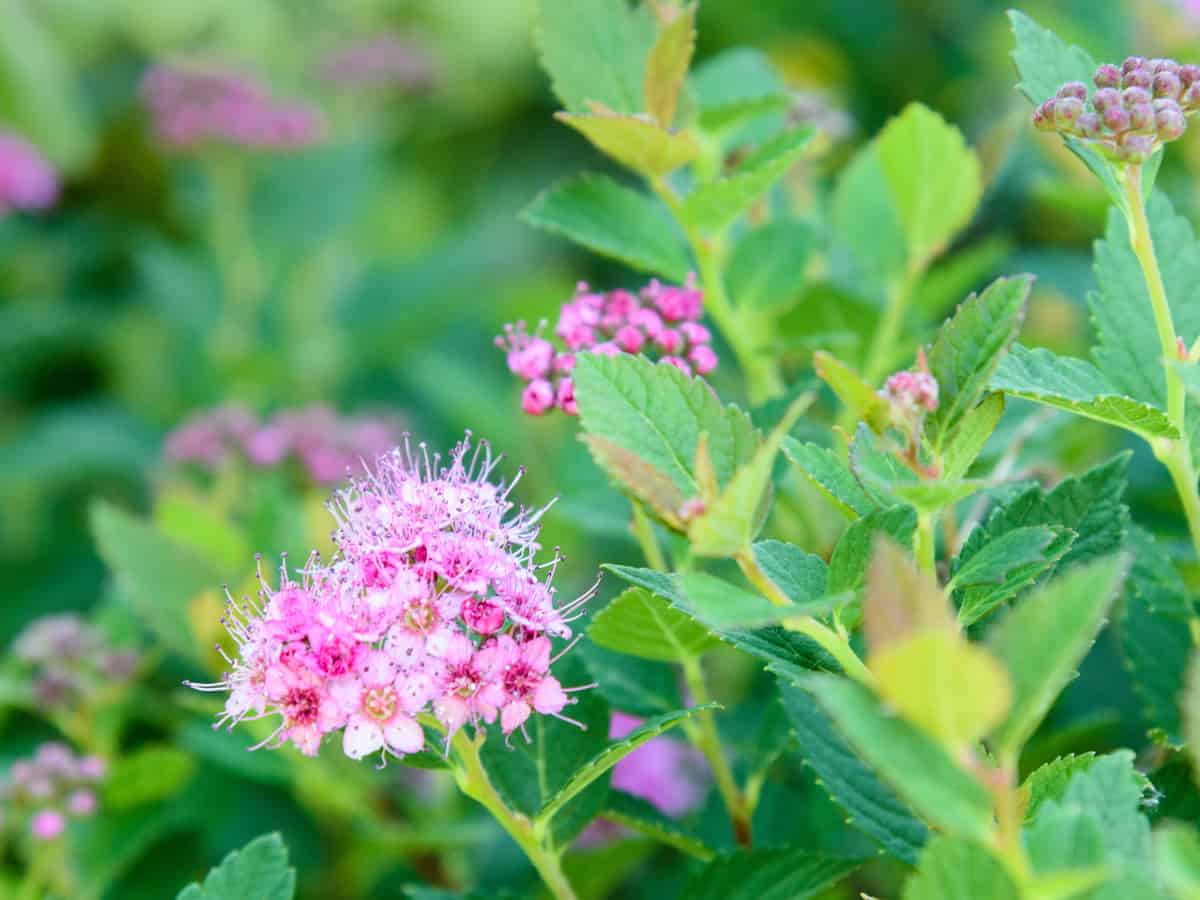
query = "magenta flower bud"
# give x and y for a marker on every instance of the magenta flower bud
(1132, 96)
(1191, 96)
(1170, 123)
(565, 397)
(564, 362)
(1104, 98)
(1163, 65)
(695, 333)
(1188, 74)
(1115, 118)
(537, 397)
(47, 825)
(81, 803)
(1137, 148)
(669, 340)
(1067, 111)
(630, 339)
(92, 768)
(1107, 76)
(1167, 84)
(1131, 63)
(703, 358)
(1140, 78)
(1141, 116)
(1076, 89)
(482, 617)
(1089, 125)
(1043, 116)
(680, 364)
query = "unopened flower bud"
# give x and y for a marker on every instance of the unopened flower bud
(1089, 125)
(537, 397)
(1167, 84)
(1115, 118)
(1165, 65)
(1067, 111)
(81, 803)
(565, 397)
(1104, 98)
(703, 358)
(1137, 148)
(1132, 96)
(1191, 96)
(1188, 74)
(1043, 116)
(911, 391)
(1076, 89)
(1170, 124)
(47, 825)
(1141, 78)
(1107, 76)
(1141, 116)
(1131, 63)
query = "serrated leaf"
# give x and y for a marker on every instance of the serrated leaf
(152, 772)
(734, 85)
(768, 874)
(830, 475)
(955, 869)
(595, 50)
(934, 496)
(646, 819)
(855, 394)
(645, 625)
(1077, 386)
(965, 445)
(1042, 641)
(968, 348)
(848, 564)
(659, 413)
(614, 221)
(668, 64)
(1044, 61)
(634, 141)
(767, 266)
(715, 204)
(602, 762)
(640, 687)
(876, 468)
(1015, 549)
(643, 481)
(873, 807)
(725, 607)
(732, 521)
(259, 870)
(913, 764)
(1049, 781)
(801, 576)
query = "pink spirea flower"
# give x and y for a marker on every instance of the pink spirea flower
(434, 603)
(68, 660)
(191, 106)
(49, 787)
(912, 392)
(325, 444)
(661, 323)
(47, 825)
(383, 61)
(27, 181)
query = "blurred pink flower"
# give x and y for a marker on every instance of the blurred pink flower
(27, 181)
(383, 61)
(662, 771)
(49, 786)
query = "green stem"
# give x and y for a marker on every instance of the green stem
(926, 543)
(473, 781)
(883, 344)
(643, 532)
(1176, 455)
(708, 741)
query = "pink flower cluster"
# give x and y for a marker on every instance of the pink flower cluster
(192, 106)
(27, 181)
(911, 392)
(326, 445)
(384, 61)
(70, 660)
(433, 603)
(661, 322)
(51, 786)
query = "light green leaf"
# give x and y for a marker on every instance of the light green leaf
(646, 819)
(934, 496)
(259, 870)
(1044, 638)
(644, 624)
(855, 394)
(767, 267)
(735, 85)
(723, 606)
(659, 413)
(869, 254)
(801, 576)
(190, 521)
(913, 764)
(968, 348)
(152, 772)
(614, 221)
(595, 50)
(1177, 853)
(635, 141)
(976, 426)
(900, 601)
(768, 874)
(848, 564)
(955, 869)
(668, 64)
(587, 772)
(1044, 61)
(732, 521)
(714, 204)
(1049, 781)
(1079, 387)
(830, 475)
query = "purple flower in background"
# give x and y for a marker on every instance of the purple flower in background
(27, 181)
(324, 443)
(49, 788)
(69, 660)
(192, 106)
(384, 61)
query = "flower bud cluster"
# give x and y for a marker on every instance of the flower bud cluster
(51, 787)
(662, 322)
(1134, 108)
(384, 61)
(325, 444)
(27, 181)
(193, 106)
(433, 604)
(70, 660)
(910, 395)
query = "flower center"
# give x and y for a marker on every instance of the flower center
(300, 706)
(379, 703)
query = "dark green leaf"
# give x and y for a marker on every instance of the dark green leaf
(785, 874)
(644, 624)
(259, 871)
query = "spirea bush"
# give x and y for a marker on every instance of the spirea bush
(870, 704)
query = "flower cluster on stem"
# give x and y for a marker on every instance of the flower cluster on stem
(70, 660)
(27, 181)
(49, 788)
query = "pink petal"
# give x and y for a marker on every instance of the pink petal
(513, 716)
(549, 696)
(404, 735)
(361, 737)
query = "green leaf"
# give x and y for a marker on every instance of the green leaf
(529, 775)
(855, 394)
(955, 869)
(1044, 638)
(159, 578)
(646, 819)
(872, 806)
(913, 764)
(658, 413)
(877, 469)
(1191, 711)
(993, 564)
(802, 577)
(1044, 61)
(643, 481)
(644, 624)
(152, 772)
(715, 204)
(965, 445)
(934, 496)
(1177, 854)
(768, 265)
(668, 64)
(1079, 387)
(734, 85)
(195, 524)
(732, 521)
(640, 687)
(724, 607)
(848, 564)
(968, 348)
(634, 141)
(830, 475)
(595, 50)
(259, 870)
(614, 221)
(868, 256)
(768, 874)
(900, 600)
(1049, 781)
(587, 772)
